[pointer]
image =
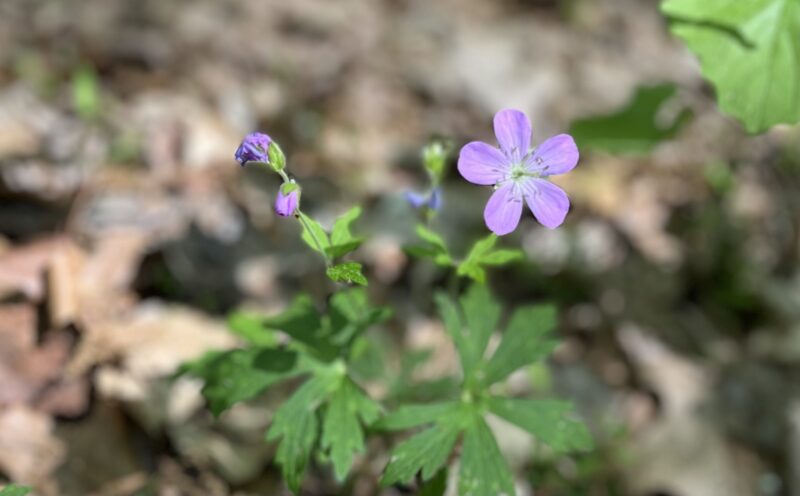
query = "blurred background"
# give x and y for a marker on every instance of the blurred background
(128, 233)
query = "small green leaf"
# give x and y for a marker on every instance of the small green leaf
(750, 51)
(482, 468)
(481, 254)
(341, 228)
(349, 272)
(502, 257)
(428, 251)
(238, 375)
(342, 433)
(426, 452)
(287, 188)
(251, 328)
(525, 341)
(633, 129)
(436, 248)
(86, 93)
(342, 240)
(408, 416)
(14, 490)
(431, 237)
(547, 420)
(296, 424)
(343, 249)
(313, 234)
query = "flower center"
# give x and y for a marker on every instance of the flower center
(518, 173)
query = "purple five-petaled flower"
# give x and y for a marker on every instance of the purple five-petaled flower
(254, 148)
(518, 173)
(285, 205)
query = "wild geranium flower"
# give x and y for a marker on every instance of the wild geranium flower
(254, 148)
(288, 199)
(519, 173)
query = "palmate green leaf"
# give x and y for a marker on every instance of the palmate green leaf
(426, 451)
(350, 314)
(342, 433)
(525, 341)
(314, 235)
(348, 272)
(633, 129)
(483, 470)
(295, 424)
(14, 490)
(481, 254)
(750, 51)
(408, 416)
(238, 375)
(481, 314)
(548, 420)
(472, 332)
(458, 332)
(437, 486)
(342, 240)
(302, 322)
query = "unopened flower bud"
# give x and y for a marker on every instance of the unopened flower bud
(288, 199)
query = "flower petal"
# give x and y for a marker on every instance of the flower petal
(416, 200)
(547, 201)
(556, 155)
(513, 131)
(481, 163)
(503, 210)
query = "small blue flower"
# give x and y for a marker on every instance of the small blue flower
(432, 200)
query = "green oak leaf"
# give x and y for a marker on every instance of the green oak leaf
(750, 51)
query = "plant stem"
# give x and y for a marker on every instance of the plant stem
(300, 216)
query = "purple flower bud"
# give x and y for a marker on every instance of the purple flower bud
(254, 148)
(286, 204)
(433, 200)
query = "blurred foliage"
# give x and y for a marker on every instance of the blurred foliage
(750, 51)
(636, 128)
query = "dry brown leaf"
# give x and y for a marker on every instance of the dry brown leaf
(28, 451)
